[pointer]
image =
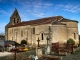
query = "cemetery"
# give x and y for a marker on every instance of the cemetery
(55, 52)
(47, 38)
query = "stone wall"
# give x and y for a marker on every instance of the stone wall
(58, 33)
(72, 31)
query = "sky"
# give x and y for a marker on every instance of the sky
(35, 9)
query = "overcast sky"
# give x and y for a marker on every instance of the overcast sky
(35, 9)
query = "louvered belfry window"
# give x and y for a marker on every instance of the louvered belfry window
(14, 20)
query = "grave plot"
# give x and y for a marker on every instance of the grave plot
(61, 48)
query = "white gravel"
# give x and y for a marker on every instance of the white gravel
(5, 53)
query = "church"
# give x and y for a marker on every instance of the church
(54, 29)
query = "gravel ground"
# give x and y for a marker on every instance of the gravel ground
(5, 53)
(74, 56)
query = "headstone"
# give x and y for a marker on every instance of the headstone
(61, 58)
(39, 52)
(48, 49)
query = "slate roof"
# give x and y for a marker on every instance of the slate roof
(48, 20)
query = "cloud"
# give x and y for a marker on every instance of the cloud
(39, 14)
(69, 7)
(36, 13)
(24, 17)
(28, 10)
(35, 7)
(3, 12)
(48, 4)
(72, 8)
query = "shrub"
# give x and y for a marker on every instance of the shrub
(70, 41)
(23, 42)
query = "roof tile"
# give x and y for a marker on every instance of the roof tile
(42, 21)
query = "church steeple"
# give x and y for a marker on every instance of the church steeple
(15, 18)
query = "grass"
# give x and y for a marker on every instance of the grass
(74, 56)
(21, 55)
(76, 52)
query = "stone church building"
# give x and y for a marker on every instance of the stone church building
(55, 29)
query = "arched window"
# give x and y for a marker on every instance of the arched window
(42, 35)
(12, 30)
(74, 35)
(15, 35)
(33, 30)
(21, 33)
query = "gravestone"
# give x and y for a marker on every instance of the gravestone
(48, 49)
(38, 50)
(55, 47)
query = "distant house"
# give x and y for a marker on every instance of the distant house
(2, 39)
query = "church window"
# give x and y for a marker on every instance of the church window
(12, 30)
(15, 35)
(42, 36)
(33, 30)
(21, 33)
(74, 35)
(26, 34)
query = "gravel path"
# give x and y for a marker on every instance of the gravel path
(5, 53)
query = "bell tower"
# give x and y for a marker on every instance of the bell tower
(15, 18)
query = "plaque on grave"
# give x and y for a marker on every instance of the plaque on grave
(39, 52)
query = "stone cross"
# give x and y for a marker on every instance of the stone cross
(38, 42)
